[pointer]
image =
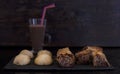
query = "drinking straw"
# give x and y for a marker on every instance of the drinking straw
(44, 12)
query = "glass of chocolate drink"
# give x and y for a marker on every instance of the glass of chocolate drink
(37, 33)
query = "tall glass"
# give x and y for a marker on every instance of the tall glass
(37, 33)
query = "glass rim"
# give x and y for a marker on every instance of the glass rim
(35, 21)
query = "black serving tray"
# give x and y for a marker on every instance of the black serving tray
(52, 67)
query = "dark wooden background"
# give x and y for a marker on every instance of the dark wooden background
(71, 23)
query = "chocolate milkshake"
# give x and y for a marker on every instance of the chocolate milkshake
(37, 33)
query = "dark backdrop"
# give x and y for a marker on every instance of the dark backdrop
(71, 23)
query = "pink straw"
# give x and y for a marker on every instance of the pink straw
(44, 12)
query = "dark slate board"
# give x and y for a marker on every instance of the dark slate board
(10, 66)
